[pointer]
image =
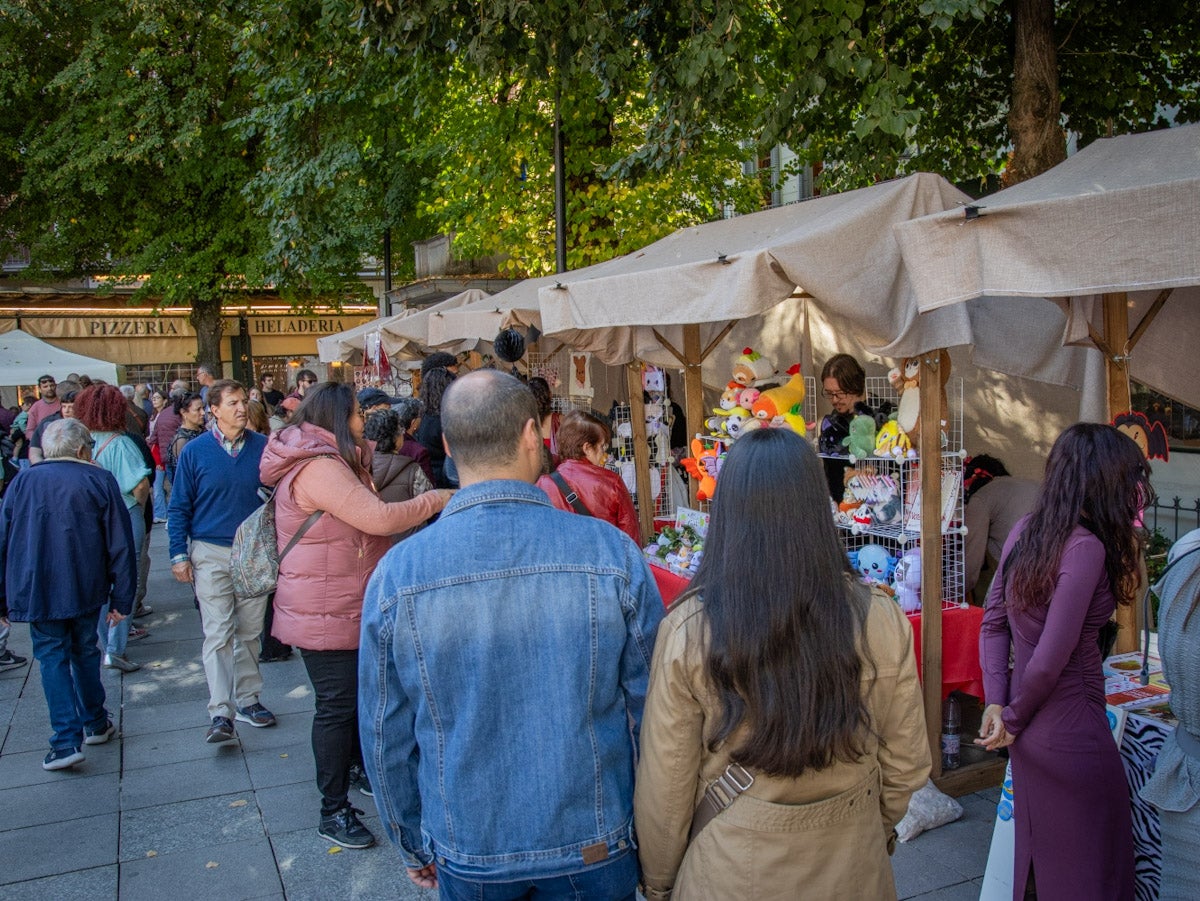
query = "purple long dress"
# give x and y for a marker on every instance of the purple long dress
(1073, 821)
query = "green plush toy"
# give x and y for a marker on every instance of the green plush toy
(861, 440)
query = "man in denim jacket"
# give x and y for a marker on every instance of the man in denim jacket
(502, 670)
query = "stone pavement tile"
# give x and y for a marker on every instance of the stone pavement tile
(142, 719)
(286, 688)
(292, 731)
(310, 871)
(8, 706)
(963, 891)
(159, 748)
(25, 767)
(961, 846)
(243, 870)
(269, 767)
(165, 691)
(76, 845)
(288, 808)
(63, 799)
(174, 657)
(186, 825)
(12, 682)
(95, 884)
(219, 774)
(917, 873)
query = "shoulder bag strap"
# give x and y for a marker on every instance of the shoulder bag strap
(111, 439)
(721, 793)
(305, 526)
(570, 495)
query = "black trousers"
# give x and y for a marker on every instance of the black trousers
(271, 646)
(334, 677)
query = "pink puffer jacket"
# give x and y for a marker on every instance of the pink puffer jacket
(318, 601)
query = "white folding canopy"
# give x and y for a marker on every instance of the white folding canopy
(24, 359)
(406, 334)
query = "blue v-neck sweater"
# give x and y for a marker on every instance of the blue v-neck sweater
(213, 492)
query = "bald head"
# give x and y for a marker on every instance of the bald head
(487, 420)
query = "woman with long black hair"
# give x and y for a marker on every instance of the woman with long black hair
(320, 465)
(780, 674)
(1064, 569)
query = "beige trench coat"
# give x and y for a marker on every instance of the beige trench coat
(823, 835)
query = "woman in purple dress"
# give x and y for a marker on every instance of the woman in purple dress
(1063, 570)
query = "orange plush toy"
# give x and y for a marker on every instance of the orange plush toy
(703, 465)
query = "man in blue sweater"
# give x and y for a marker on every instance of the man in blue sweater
(216, 487)
(66, 549)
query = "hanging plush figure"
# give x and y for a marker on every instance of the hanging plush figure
(703, 465)
(1151, 437)
(861, 440)
(892, 442)
(906, 379)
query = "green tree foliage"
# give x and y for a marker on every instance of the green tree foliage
(879, 89)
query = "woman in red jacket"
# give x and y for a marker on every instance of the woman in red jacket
(321, 461)
(583, 446)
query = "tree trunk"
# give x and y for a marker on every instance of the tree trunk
(206, 320)
(1034, 114)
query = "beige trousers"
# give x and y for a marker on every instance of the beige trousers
(231, 632)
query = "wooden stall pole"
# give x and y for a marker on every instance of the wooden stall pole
(693, 387)
(1116, 368)
(930, 451)
(641, 449)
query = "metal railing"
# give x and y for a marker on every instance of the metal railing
(1173, 518)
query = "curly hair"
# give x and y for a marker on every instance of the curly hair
(383, 427)
(102, 408)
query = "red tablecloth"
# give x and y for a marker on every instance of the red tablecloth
(960, 637)
(960, 649)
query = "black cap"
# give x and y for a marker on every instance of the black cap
(373, 397)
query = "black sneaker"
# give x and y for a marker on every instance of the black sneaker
(343, 828)
(256, 715)
(101, 735)
(67, 757)
(8, 658)
(220, 730)
(359, 780)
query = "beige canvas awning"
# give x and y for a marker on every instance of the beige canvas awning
(404, 335)
(1118, 219)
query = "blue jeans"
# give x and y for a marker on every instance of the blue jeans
(160, 494)
(615, 880)
(114, 638)
(70, 663)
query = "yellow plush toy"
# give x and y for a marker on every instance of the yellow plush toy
(892, 442)
(777, 402)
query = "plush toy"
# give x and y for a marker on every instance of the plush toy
(776, 401)
(729, 397)
(873, 563)
(752, 368)
(1150, 437)
(629, 477)
(747, 396)
(736, 421)
(794, 419)
(861, 440)
(892, 442)
(907, 580)
(906, 379)
(704, 465)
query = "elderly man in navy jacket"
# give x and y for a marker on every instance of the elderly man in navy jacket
(66, 547)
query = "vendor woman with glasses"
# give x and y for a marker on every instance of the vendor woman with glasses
(844, 386)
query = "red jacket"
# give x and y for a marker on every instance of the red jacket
(602, 492)
(318, 599)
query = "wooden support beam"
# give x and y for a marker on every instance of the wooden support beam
(972, 778)
(1116, 367)
(641, 449)
(930, 452)
(715, 342)
(1148, 319)
(693, 387)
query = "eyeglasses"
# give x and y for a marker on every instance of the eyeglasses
(307, 382)
(835, 395)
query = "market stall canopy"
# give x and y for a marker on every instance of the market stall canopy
(24, 358)
(482, 319)
(406, 334)
(837, 252)
(1120, 216)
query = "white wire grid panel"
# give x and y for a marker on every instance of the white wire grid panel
(905, 531)
(553, 368)
(664, 482)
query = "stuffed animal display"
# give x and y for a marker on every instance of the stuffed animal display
(752, 369)
(872, 500)
(750, 401)
(892, 442)
(861, 440)
(907, 580)
(773, 403)
(704, 465)
(906, 379)
(874, 564)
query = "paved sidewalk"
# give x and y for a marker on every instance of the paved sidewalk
(157, 813)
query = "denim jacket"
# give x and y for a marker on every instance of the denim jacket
(503, 667)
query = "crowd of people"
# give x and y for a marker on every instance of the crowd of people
(491, 661)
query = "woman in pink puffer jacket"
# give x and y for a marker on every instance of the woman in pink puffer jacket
(321, 461)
